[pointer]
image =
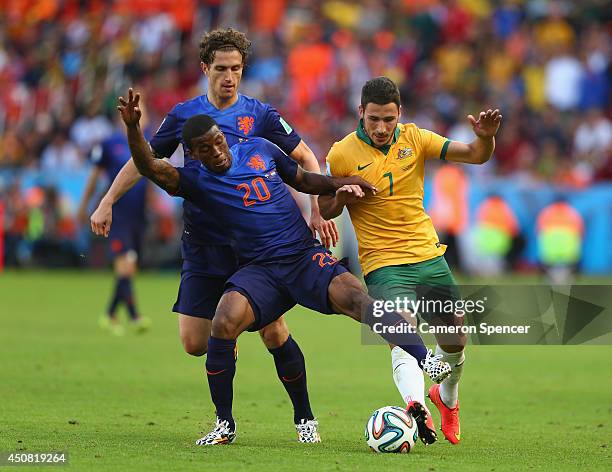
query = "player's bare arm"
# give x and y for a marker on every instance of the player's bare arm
(157, 170)
(90, 187)
(327, 230)
(481, 149)
(317, 184)
(102, 218)
(331, 206)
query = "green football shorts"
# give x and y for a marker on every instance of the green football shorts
(430, 282)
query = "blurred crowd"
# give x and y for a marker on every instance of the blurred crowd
(544, 63)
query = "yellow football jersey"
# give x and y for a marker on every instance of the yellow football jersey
(392, 227)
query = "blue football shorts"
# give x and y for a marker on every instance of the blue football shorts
(274, 287)
(205, 271)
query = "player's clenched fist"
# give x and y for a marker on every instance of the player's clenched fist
(101, 219)
(129, 109)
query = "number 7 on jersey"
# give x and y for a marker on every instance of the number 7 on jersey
(390, 175)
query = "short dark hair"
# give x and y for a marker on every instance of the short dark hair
(380, 90)
(227, 39)
(195, 127)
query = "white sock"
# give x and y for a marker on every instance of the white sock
(449, 388)
(408, 376)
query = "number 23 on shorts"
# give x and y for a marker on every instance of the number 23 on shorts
(324, 259)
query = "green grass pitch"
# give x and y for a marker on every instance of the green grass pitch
(139, 403)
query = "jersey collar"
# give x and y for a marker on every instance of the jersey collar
(205, 98)
(361, 134)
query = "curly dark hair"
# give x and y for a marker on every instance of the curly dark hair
(223, 40)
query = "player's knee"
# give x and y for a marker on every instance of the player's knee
(358, 302)
(347, 296)
(234, 314)
(225, 326)
(125, 264)
(275, 334)
(195, 347)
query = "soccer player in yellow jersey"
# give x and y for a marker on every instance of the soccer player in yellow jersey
(399, 251)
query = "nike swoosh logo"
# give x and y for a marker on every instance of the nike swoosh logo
(363, 167)
(215, 373)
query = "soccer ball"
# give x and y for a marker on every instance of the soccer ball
(391, 429)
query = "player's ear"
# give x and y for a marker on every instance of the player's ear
(399, 112)
(204, 68)
(361, 110)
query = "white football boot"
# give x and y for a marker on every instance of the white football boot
(307, 431)
(435, 367)
(222, 434)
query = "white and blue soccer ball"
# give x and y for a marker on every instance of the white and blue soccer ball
(391, 429)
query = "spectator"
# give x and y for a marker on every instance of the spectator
(560, 230)
(593, 138)
(497, 232)
(61, 154)
(545, 63)
(564, 75)
(91, 128)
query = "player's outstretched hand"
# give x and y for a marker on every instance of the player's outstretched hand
(364, 185)
(129, 109)
(328, 233)
(101, 220)
(348, 194)
(487, 124)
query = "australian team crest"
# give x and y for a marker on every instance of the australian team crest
(404, 153)
(245, 124)
(256, 163)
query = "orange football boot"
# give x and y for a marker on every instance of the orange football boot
(450, 416)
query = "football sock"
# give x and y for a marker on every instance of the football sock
(408, 376)
(116, 298)
(408, 341)
(291, 370)
(128, 297)
(220, 370)
(449, 388)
